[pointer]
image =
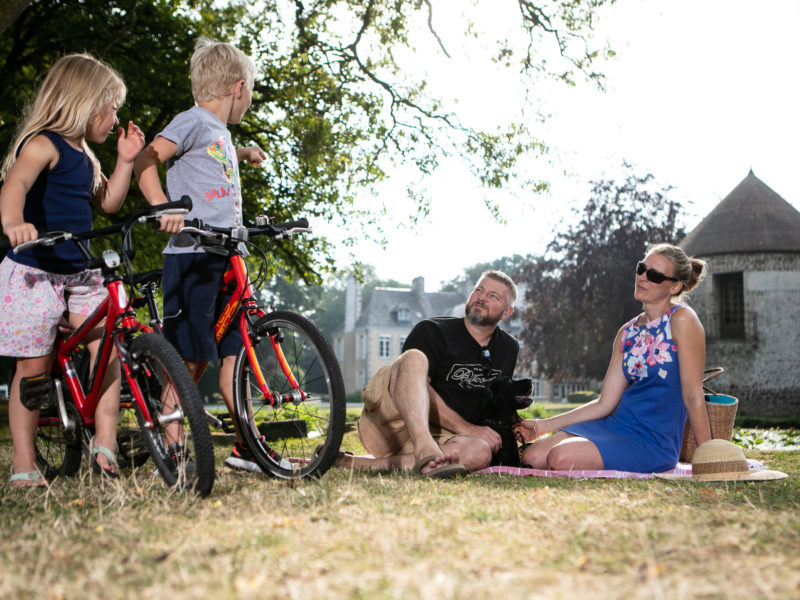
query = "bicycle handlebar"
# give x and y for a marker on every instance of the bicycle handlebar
(240, 233)
(142, 215)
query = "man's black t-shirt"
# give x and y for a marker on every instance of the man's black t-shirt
(455, 363)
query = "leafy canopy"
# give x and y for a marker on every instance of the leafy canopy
(334, 106)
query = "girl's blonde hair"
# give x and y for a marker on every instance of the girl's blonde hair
(75, 90)
(215, 66)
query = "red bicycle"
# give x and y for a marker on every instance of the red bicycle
(157, 387)
(288, 393)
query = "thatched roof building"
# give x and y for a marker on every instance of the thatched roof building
(752, 218)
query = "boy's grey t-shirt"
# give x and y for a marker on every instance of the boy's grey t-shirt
(206, 169)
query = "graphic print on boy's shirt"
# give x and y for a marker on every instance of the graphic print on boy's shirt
(220, 152)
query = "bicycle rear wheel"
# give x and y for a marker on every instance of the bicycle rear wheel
(179, 442)
(300, 435)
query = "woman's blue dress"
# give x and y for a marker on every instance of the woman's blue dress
(645, 431)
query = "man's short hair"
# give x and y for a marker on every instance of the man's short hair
(215, 67)
(504, 279)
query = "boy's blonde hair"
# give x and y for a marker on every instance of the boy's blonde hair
(74, 91)
(215, 67)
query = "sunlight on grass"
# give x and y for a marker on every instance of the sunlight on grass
(373, 535)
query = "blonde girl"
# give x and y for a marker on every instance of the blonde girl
(50, 180)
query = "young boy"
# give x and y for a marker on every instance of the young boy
(203, 164)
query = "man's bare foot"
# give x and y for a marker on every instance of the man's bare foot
(439, 466)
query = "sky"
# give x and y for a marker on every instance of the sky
(700, 93)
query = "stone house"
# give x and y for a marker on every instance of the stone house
(749, 303)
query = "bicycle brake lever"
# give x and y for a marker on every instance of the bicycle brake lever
(47, 241)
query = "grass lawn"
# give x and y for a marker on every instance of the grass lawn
(369, 535)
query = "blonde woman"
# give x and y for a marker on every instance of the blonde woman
(654, 380)
(51, 180)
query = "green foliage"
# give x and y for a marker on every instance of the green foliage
(510, 265)
(581, 397)
(767, 439)
(581, 291)
(743, 420)
(535, 411)
(354, 397)
(332, 106)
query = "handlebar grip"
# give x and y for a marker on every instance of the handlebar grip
(299, 224)
(184, 202)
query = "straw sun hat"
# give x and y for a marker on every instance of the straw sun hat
(718, 460)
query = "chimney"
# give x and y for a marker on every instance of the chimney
(352, 304)
(418, 287)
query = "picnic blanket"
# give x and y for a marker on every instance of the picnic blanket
(681, 468)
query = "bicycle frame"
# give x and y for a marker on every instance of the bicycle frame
(119, 320)
(242, 303)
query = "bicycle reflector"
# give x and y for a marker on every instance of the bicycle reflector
(111, 259)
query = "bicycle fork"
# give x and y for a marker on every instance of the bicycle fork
(296, 395)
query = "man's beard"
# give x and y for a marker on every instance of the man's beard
(482, 319)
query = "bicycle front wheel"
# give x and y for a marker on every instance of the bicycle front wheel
(297, 431)
(58, 452)
(178, 441)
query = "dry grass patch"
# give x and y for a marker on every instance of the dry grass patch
(356, 535)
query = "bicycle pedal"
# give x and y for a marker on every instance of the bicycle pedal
(227, 424)
(35, 390)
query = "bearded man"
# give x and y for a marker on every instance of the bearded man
(420, 413)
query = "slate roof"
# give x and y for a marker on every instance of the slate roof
(384, 306)
(752, 218)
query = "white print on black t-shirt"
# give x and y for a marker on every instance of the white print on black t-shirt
(470, 376)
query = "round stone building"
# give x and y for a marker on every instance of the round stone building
(749, 302)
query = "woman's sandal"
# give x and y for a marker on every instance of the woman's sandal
(33, 477)
(110, 456)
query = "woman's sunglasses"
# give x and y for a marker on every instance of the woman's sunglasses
(652, 274)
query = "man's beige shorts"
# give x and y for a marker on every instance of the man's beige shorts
(381, 428)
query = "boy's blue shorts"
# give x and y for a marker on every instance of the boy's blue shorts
(193, 301)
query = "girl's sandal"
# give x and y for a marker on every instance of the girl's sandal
(110, 456)
(32, 478)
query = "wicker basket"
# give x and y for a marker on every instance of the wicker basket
(721, 414)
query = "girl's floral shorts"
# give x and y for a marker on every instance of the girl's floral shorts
(33, 302)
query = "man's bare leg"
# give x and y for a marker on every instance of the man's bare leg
(408, 386)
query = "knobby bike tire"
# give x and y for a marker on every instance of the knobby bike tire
(181, 449)
(299, 439)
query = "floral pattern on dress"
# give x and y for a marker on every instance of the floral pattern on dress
(648, 345)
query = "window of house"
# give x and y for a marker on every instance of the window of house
(338, 348)
(361, 346)
(362, 378)
(384, 346)
(402, 342)
(403, 315)
(730, 296)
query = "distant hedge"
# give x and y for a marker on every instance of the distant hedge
(581, 397)
(755, 422)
